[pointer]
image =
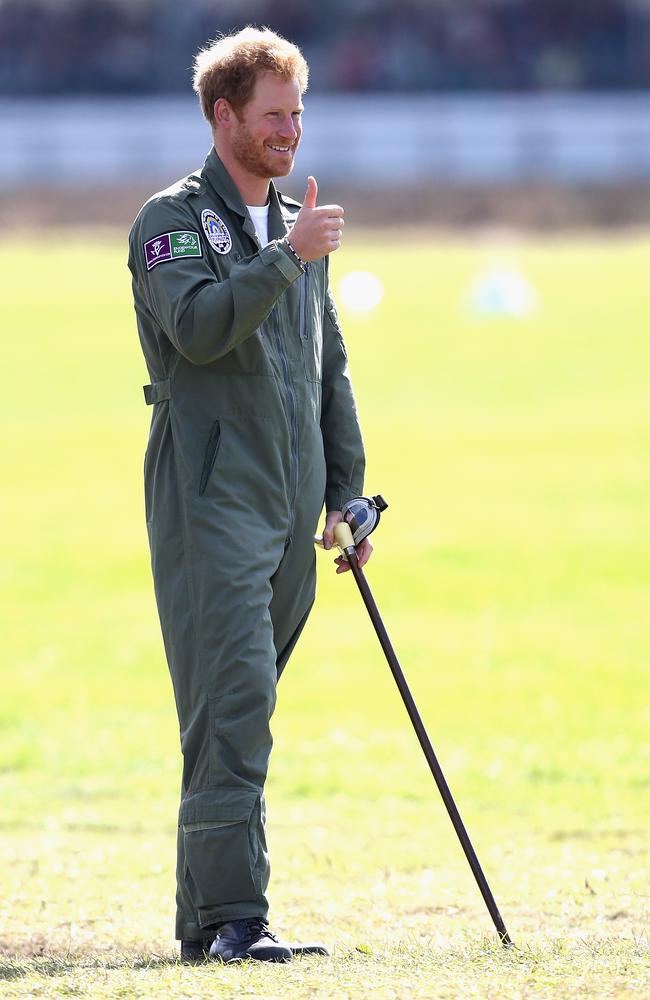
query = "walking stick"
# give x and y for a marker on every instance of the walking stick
(346, 542)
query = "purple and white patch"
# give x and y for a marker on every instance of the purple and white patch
(157, 250)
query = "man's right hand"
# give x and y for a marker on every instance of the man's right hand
(316, 231)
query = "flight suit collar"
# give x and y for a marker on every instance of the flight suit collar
(223, 185)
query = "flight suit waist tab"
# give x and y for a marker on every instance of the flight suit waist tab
(156, 392)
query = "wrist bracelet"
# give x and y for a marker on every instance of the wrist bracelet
(296, 255)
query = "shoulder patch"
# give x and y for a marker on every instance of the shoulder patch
(169, 246)
(216, 230)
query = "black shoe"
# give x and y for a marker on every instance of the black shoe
(195, 951)
(249, 938)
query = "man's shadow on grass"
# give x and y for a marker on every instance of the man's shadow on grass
(51, 967)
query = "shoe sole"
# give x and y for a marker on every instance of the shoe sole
(249, 958)
(309, 949)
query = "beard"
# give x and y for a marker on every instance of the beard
(256, 159)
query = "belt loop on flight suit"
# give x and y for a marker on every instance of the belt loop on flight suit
(156, 392)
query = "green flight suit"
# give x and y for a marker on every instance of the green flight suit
(254, 427)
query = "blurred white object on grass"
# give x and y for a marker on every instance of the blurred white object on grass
(360, 291)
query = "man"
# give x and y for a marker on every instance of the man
(254, 427)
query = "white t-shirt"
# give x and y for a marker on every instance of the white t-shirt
(260, 216)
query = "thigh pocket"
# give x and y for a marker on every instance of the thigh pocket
(210, 456)
(220, 847)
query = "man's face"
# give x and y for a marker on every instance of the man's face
(267, 130)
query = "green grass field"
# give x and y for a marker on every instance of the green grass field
(513, 573)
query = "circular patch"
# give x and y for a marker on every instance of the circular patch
(216, 230)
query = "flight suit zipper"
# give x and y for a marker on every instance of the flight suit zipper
(304, 303)
(293, 425)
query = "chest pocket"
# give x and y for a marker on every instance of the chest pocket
(311, 324)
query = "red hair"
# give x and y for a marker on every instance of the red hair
(230, 65)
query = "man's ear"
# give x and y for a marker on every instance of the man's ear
(223, 113)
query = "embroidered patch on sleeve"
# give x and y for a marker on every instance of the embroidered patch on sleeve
(169, 246)
(216, 230)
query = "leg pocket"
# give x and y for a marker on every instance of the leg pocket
(222, 848)
(211, 450)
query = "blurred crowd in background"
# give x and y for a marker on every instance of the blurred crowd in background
(65, 47)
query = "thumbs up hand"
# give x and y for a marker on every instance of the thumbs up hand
(316, 231)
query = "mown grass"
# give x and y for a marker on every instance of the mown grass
(512, 570)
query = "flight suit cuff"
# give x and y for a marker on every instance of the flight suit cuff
(276, 253)
(335, 498)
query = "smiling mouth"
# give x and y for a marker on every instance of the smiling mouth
(279, 149)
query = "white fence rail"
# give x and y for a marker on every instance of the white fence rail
(363, 141)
